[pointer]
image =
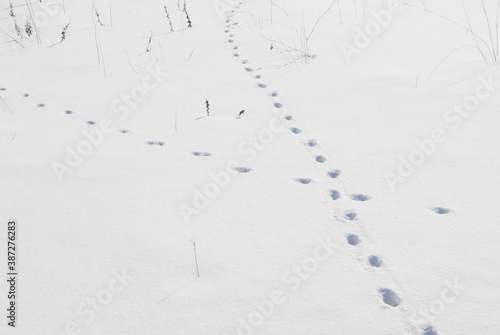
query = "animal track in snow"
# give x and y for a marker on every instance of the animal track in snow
(334, 174)
(262, 85)
(258, 76)
(226, 31)
(274, 94)
(295, 130)
(244, 62)
(430, 331)
(204, 154)
(278, 105)
(334, 194)
(91, 122)
(390, 297)
(235, 47)
(155, 143)
(441, 210)
(68, 112)
(360, 197)
(353, 239)
(124, 131)
(351, 215)
(242, 169)
(320, 159)
(248, 69)
(236, 55)
(26, 95)
(230, 41)
(375, 261)
(3, 89)
(304, 181)
(40, 105)
(288, 117)
(312, 143)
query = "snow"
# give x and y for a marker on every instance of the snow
(353, 196)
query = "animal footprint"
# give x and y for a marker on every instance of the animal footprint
(3, 89)
(288, 117)
(262, 85)
(68, 112)
(242, 169)
(236, 55)
(124, 131)
(257, 76)
(205, 154)
(312, 143)
(430, 331)
(375, 261)
(334, 194)
(248, 69)
(274, 94)
(320, 159)
(155, 143)
(278, 105)
(40, 105)
(26, 95)
(351, 215)
(353, 239)
(304, 181)
(441, 210)
(295, 130)
(334, 174)
(360, 197)
(91, 122)
(390, 297)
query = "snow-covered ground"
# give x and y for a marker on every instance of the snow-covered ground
(356, 194)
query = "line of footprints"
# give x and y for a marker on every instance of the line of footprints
(389, 297)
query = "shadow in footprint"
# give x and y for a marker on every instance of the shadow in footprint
(334, 174)
(312, 143)
(375, 261)
(124, 131)
(26, 95)
(236, 55)
(40, 105)
(68, 112)
(204, 154)
(91, 122)
(390, 297)
(288, 117)
(430, 331)
(360, 197)
(230, 41)
(353, 239)
(441, 210)
(320, 159)
(242, 169)
(334, 194)
(155, 143)
(244, 62)
(295, 130)
(304, 181)
(262, 85)
(351, 215)
(278, 105)
(3, 89)
(235, 47)
(274, 94)
(248, 69)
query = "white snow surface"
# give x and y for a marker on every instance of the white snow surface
(297, 228)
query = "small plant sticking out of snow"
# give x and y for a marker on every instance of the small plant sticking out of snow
(16, 27)
(64, 31)
(169, 20)
(98, 17)
(208, 107)
(28, 28)
(240, 114)
(184, 9)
